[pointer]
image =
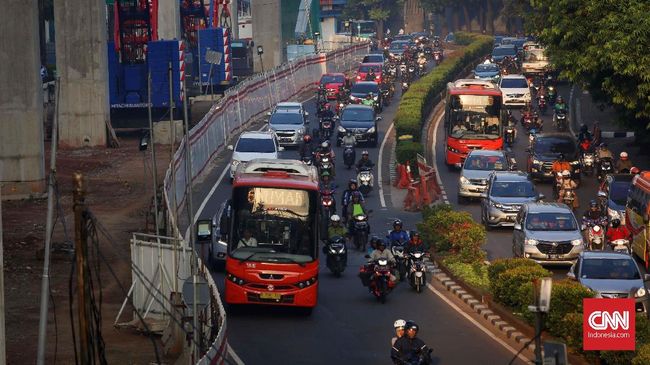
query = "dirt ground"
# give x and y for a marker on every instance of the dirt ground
(119, 192)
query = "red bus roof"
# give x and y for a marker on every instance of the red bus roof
(473, 87)
(277, 173)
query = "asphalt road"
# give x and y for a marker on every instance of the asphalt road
(348, 326)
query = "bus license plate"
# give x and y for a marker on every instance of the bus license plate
(273, 296)
(554, 257)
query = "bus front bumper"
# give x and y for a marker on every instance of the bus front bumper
(258, 293)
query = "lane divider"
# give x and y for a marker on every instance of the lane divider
(435, 159)
(380, 163)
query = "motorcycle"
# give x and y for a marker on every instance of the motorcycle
(551, 95)
(527, 120)
(365, 179)
(376, 276)
(569, 197)
(325, 163)
(337, 255)
(560, 121)
(326, 128)
(541, 102)
(437, 57)
(587, 161)
(605, 167)
(510, 135)
(532, 133)
(595, 233)
(328, 204)
(360, 230)
(405, 86)
(622, 246)
(400, 259)
(349, 155)
(417, 271)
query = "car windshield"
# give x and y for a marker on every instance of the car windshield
(487, 68)
(398, 45)
(550, 222)
(328, 79)
(485, 163)
(286, 118)
(618, 192)
(363, 88)
(366, 68)
(612, 269)
(502, 51)
(554, 145)
(273, 225)
(534, 55)
(373, 58)
(514, 84)
(357, 114)
(258, 145)
(513, 189)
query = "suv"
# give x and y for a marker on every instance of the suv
(507, 191)
(547, 233)
(546, 149)
(611, 275)
(515, 90)
(397, 48)
(253, 145)
(373, 58)
(360, 91)
(361, 121)
(613, 195)
(289, 125)
(332, 82)
(500, 52)
(364, 68)
(476, 170)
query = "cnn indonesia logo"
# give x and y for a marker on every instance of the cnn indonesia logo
(608, 324)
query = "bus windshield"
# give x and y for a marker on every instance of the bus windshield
(273, 225)
(534, 55)
(474, 116)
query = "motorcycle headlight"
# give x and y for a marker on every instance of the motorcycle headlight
(531, 242)
(576, 242)
(375, 98)
(477, 76)
(537, 162)
(639, 293)
(574, 163)
(365, 178)
(464, 180)
(341, 129)
(371, 130)
(360, 217)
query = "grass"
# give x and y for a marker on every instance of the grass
(473, 274)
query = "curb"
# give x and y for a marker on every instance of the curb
(481, 309)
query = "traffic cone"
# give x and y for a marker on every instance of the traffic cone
(424, 193)
(408, 171)
(404, 181)
(432, 182)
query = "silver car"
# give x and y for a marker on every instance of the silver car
(218, 248)
(507, 191)
(611, 275)
(547, 233)
(476, 170)
(289, 126)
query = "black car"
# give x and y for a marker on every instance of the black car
(361, 120)
(360, 90)
(546, 149)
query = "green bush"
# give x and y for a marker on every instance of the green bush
(500, 265)
(454, 231)
(407, 151)
(509, 287)
(428, 211)
(642, 355)
(566, 297)
(472, 274)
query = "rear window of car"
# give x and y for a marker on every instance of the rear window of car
(373, 58)
(257, 145)
(513, 189)
(367, 68)
(364, 88)
(487, 68)
(398, 45)
(618, 192)
(286, 118)
(504, 51)
(514, 84)
(357, 114)
(327, 79)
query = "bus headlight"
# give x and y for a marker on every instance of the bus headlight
(234, 279)
(639, 293)
(307, 283)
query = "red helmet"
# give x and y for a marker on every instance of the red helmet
(634, 170)
(327, 106)
(306, 138)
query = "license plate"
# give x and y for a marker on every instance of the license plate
(285, 139)
(553, 257)
(273, 296)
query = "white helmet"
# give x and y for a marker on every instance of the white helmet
(400, 323)
(335, 218)
(597, 228)
(566, 173)
(325, 144)
(623, 154)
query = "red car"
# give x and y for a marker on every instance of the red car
(332, 81)
(365, 67)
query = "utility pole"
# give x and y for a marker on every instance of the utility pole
(45, 281)
(172, 142)
(153, 156)
(3, 341)
(81, 245)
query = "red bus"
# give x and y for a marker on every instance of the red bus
(472, 119)
(272, 234)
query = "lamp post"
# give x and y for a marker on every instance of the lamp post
(348, 25)
(316, 36)
(260, 52)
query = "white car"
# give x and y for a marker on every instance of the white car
(253, 145)
(515, 90)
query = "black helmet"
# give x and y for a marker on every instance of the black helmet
(593, 204)
(374, 240)
(583, 128)
(352, 181)
(561, 157)
(412, 325)
(397, 222)
(380, 243)
(616, 222)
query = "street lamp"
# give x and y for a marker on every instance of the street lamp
(316, 35)
(348, 25)
(260, 51)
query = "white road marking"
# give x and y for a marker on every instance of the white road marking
(477, 324)
(382, 200)
(435, 160)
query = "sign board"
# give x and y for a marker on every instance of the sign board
(213, 57)
(554, 353)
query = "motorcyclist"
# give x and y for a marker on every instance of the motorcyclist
(597, 133)
(348, 139)
(382, 253)
(353, 186)
(623, 165)
(399, 330)
(415, 244)
(561, 164)
(398, 235)
(635, 170)
(336, 228)
(594, 212)
(369, 100)
(584, 134)
(409, 349)
(560, 106)
(364, 161)
(568, 184)
(326, 182)
(370, 75)
(307, 146)
(604, 152)
(617, 231)
(327, 113)
(355, 206)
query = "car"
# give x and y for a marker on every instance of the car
(613, 194)
(515, 90)
(219, 244)
(547, 233)
(290, 105)
(611, 275)
(360, 120)
(364, 68)
(397, 48)
(499, 53)
(497, 40)
(507, 191)
(251, 145)
(360, 91)
(288, 125)
(332, 82)
(487, 71)
(373, 58)
(546, 148)
(476, 170)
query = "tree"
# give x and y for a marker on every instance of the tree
(378, 10)
(602, 46)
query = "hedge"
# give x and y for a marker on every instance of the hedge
(473, 274)
(500, 265)
(510, 287)
(407, 151)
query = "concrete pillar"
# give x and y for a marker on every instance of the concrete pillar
(413, 16)
(21, 101)
(234, 18)
(169, 19)
(267, 32)
(82, 63)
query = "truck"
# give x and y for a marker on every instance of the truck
(535, 61)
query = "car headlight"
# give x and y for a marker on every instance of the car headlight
(463, 180)
(537, 162)
(223, 243)
(477, 76)
(235, 163)
(497, 76)
(341, 129)
(371, 130)
(639, 293)
(576, 242)
(497, 205)
(531, 242)
(574, 163)
(615, 214)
